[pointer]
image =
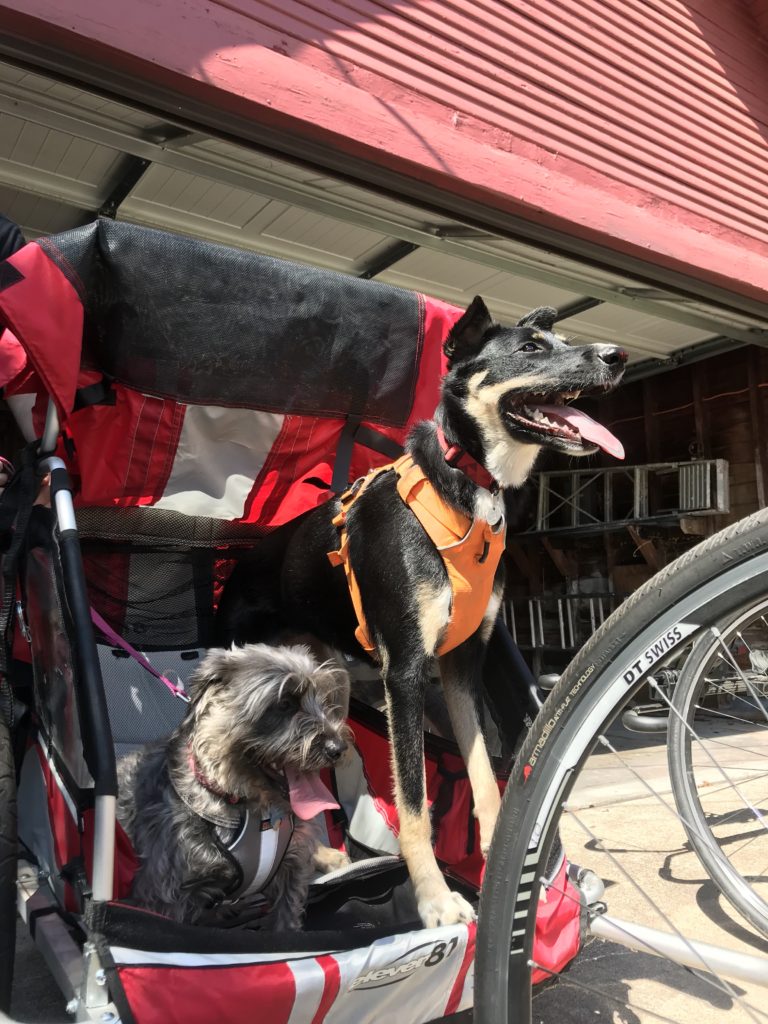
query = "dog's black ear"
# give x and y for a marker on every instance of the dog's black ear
(466, 335)
(544, 318)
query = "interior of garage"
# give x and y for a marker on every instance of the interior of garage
(691, 414)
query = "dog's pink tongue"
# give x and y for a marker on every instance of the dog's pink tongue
(589, 429)
(309, 795)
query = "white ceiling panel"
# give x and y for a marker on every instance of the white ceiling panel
(322, 234)
(514, 296)
(273, 244)
(235, 215)
(640, 334)
(67, 97)
(430, 271)
(458, 281)
(38, 215)
(188, 193)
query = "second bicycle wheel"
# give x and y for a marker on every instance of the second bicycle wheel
(545, 799)
(718, 767)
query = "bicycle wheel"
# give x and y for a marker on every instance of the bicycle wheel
(703, 587)
(719, 772)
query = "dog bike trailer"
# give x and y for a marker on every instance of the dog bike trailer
(181, 400)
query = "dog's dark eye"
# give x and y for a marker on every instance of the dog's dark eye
(288, 704)
(529, 346)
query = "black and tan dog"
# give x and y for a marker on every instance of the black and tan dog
(503, 400)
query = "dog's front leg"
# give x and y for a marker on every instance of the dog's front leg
(405, 686)
(461, 674)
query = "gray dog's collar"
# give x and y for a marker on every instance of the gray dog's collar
(223, 815)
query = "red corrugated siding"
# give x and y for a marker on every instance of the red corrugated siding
(665, 96)
(759, 9)
(641, 125)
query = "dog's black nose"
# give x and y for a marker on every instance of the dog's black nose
(334, 748)
(612, 354)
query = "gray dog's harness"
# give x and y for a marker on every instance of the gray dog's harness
(257, 848)
(255, 843)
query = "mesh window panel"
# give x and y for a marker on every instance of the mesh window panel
(141, 708)
(157, 600)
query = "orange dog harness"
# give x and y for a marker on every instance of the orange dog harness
(470, 549)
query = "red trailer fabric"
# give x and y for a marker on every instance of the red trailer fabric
(148, 446)
(153, 394)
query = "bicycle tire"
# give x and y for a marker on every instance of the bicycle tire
(687, 697)
(701, 586)
(8, 858)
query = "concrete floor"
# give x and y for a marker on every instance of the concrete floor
(641, 836)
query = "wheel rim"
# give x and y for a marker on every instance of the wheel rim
(719, 717)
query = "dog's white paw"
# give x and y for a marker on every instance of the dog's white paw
(448, 908)
(327, 859)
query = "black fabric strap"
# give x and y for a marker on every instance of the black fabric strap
(11, 238)
(100, 393)
(340, 478)
(246, 848)
(372, 439)
(355, 433)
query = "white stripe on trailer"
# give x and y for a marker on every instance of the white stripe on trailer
(367, 822)
(309, 978)
(126, 957)
(207, 477)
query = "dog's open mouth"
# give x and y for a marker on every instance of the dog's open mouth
(548, 417)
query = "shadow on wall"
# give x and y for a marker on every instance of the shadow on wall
(736, 36)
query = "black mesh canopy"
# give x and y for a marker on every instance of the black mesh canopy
(207, 324)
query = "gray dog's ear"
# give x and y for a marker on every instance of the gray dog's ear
(543, 318)
(466, 336)
(215, 665)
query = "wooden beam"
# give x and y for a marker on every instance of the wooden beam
(566, 564)
(758, 427)
(650, 413)
(701, 420)
(517, 553)
(647, 549)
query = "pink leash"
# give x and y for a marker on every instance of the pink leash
(113, 637)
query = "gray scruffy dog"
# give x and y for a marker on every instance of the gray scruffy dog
(226, 807)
